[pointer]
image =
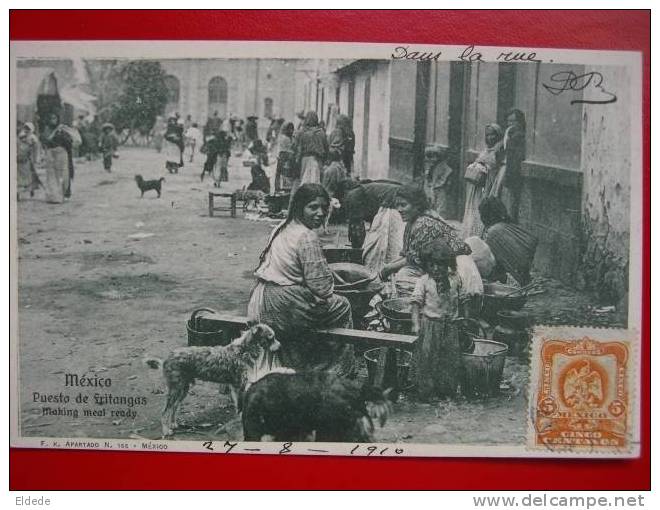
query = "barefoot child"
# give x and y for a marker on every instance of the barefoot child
(437, 302)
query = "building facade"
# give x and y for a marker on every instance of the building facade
(575, 178)
(241, 87)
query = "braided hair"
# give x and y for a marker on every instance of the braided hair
(305, 194)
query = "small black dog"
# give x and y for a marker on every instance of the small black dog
(153, 184)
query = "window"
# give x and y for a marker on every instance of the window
(218, 96)
(268, 107)
(217, 90)
(172, 84)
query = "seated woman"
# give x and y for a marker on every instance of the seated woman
(423, 226)
(294, 290)
(512, 247)
(260, 180)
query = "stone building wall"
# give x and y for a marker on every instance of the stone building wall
(606, 191)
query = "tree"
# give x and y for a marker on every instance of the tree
(143, 97)
(130, 94)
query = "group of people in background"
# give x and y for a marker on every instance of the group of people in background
(51, 148)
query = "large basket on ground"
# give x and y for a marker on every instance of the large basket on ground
(483, 368)
(202, 332)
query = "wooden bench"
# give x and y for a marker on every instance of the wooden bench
(386, 372)
(231, 207)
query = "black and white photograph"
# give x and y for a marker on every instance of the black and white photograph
(221, 246)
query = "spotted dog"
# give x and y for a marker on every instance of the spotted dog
(236, 364)
(249, 195)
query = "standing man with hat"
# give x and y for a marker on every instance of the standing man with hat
(108, 145)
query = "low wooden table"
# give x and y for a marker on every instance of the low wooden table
(231, 207)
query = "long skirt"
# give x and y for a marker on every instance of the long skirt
(172, 156)
(24, 175)
(472, 225)
(220, 172)
(384, 239)
(290, 311)
(310, 170)
(57, 174)
(437, 358)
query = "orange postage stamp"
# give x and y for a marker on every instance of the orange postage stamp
(581, 396)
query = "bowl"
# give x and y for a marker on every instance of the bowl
(397, 308)
(349, 276)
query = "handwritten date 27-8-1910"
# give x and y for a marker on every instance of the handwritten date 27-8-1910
(568, 80)
(289, 447)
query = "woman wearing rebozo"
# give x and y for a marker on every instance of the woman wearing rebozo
(294, 289)
(483, 179)
(423, 226)
(311, 149)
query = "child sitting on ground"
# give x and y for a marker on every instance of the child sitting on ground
(437, 302)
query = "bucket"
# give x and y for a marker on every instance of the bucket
(403, 360)
(483, 368)
(201, 334)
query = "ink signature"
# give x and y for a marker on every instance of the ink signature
(568, 80)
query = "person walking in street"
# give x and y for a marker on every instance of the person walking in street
(27, 155)
(194, 139)
(159, 133)
(311, 149)
(58, 145)
(286, 172)
(342, 139)
(251, 129)
(173, 146)
(108, 145)
(223, 149)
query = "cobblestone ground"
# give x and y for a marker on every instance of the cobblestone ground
(109, 278)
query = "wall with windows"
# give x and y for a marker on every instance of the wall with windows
(238, 87)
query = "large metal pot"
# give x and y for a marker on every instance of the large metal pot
(498, 297)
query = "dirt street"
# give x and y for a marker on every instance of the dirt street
(109, 278)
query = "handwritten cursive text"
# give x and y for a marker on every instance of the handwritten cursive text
(568, 80)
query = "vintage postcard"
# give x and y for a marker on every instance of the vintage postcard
(326, 249)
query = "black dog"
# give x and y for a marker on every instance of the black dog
(149, 185)
(315, 406)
